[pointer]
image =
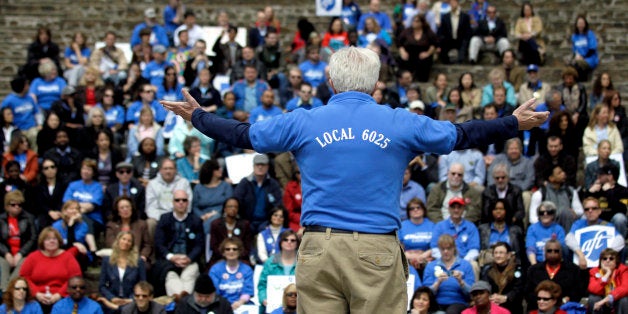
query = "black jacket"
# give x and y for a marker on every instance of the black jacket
(28, 234)
(498, 32)
(513, 199)
(445, 31)
(573, 281)
(165, 236)
(245, 193)
(136, 192)
(187, 306)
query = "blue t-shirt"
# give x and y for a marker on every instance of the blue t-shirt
(296, 103)
(232, 285)
(133, 112)
(169, 14)
(86, 305)
(71, 55)
(538, 235)
(466, 235)
(449, 291)
(261, 113)
(416, 237)
(318, 137)
(313, 73)
(86, 193)
(47, 92)
(113, 116)
(586, 46)
(24, 110)
(155, 72)
(173, 94)
(29, 308)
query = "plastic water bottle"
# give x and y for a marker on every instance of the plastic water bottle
(48, 294)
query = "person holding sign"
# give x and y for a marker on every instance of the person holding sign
(333, 145)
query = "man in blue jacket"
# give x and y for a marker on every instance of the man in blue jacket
(350, 215)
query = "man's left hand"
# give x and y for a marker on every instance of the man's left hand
(527, 117)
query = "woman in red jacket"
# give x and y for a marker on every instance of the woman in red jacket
(292, 198)
(19, 150)
(608, 284)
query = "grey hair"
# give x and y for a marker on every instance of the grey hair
(547, 205)
(46, 68)
(550, 96)
(497, 73)
(354, 69)
(91, 113)
(515, 140)
(501, 167)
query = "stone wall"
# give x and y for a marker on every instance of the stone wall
(19, 20)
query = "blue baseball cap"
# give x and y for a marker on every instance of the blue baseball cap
(533, 67)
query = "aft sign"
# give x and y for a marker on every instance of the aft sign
(592, 240)
(328, 7)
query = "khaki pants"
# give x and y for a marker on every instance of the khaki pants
(351, 273)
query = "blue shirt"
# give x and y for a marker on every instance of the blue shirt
(29, 308)
(80, 231)
(466, 235)
(496, 236)
(155, 72)
(158, 35)
(487, 94)
(85, 306)
(24, 110)
(70, 54)
(367, 203)
(133, 111)
(544, 107)
(450, 291)
(232, 285)
(538, 234)
(173, 94)
(262, 113)
(416, 237)
(47, 91)
(113, 116)
(351, 14)
(313, 73)
(169, 14)
(86, 193)
(586, 46)
(408, 192)
(381, 17)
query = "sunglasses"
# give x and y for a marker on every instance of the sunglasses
(499, 178)
(141, 296)
(124, 171)
(50, 167)
(608, 258)
(543, 299)
(147, 91)
(15, 204)
(108, 95)
(457, 174)
(21, 288)
(291, 294)
(586, 209)
(289, 240)
(547, 212)
(552, 251)
(77, 287)
(179, 200)
(231, 249)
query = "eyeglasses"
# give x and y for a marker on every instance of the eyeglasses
(499, 178)
(179, 200)
(77, 287)
(547, 212)
(124, 171)
(231, 249)
(608, 258)
(141, 296)
(289, 240)
(415, 207)
(295, 76)
(477, 292)
(107, 95)
(586, 209)
(15, 204)
(552, 251)
(543, 299)
(21, 288)
(306, 91)
(291, 294)
(456, 174)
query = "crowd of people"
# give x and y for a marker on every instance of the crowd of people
(96, 172)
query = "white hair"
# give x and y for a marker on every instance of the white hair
(354, 69)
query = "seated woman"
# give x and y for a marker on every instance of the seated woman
(49, 286)
(450, 277)
(232, 278)
(601, 127)
(373, 32)
(528, 30)
(424, 302)
(542, 231)
(17, 298)
(602, 84)
(12, 181)
(548, 298)
(190, 165)
(120, 272)
(584, 49)
(125, 218)
(17, 237)
(289, 303)
(416, 233)
(45, 199)
(230, 226)
(94, 123)
(47, 88)
(76, 58)
(89, 194)
(19, 150)
(146, 163)
(282, 263)
(106, 155)
(211, 192)
(505, 276)
(500, 231)
(46, 136)
(608, 286)
(267, 244)
(146, 128)
(75, 233)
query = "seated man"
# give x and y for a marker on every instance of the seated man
(583, 233)
(454, 33)
(454, 186)
(267, 110)
(616, 196)
(248, 91)
(464, 232)
(305, 99)
(126, 186)
(203, 300)
(560, 193)
(179, 242)
(76, 302)
(491, 34)
(518, 165)
(143, 301)
(474, 169)
(505, 190)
